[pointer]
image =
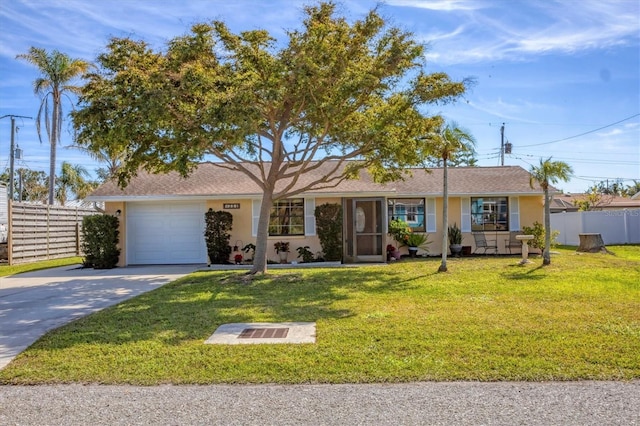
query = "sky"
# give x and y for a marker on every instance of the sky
(562, 76)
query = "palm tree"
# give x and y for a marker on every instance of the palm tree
(56, 71)
(111, 156)
(72, 180)
(548, 172)
(449, 142)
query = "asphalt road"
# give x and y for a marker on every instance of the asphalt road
(457, 403)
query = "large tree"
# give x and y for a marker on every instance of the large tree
(548, 173)
(450, 142)
(57, 71)
(335, 92)
(31, 185)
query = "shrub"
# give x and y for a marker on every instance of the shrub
(329, 228)
(400, 231)
(216, 234)
(538, 236)
(305, 254)
(100, 241)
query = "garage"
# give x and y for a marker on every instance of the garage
(165, 233)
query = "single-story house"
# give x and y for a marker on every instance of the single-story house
(162, 215)
(568, 203)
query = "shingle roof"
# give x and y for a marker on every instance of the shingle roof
(212, 181)
(567, 202)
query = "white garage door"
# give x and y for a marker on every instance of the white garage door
(167, 233)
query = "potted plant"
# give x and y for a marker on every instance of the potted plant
(282, 248)
(417, 241)
(238, 259)
(455, 239)
(249, 248)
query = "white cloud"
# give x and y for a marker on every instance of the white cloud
(533, 28)
(441, 5)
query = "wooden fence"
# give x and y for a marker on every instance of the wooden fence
(42, 232)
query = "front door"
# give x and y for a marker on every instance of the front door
(364, 225)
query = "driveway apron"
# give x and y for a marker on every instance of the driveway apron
(35, 302)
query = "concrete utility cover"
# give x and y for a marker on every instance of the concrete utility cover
(243, 333)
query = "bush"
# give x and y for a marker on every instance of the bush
(400, 231)
(329, 228)
(100, 241)
(216, 235)
(538, 236)
(305, 254)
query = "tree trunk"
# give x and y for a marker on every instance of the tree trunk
(445, 218)
(53, 141)
(591, 243)
(260, 256)
(546, 255)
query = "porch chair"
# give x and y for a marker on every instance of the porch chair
(482, 243)
(513, 243)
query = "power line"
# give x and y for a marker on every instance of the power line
(582, 134)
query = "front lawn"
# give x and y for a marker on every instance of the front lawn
(6, 270)
(487, 319)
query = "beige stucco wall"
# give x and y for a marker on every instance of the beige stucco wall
(530, 208)
(241, 230)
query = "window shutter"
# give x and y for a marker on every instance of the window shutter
(310, 216)
(514, 213)
(255, 216)
(465, 214)
(431, 215)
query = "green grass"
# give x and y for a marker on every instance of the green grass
(6, 270)
(487, 319)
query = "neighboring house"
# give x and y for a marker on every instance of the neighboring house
(567, 203)
(162, 216)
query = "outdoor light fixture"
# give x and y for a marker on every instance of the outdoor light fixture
(118, 213)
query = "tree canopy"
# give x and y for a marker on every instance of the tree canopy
(344, 92)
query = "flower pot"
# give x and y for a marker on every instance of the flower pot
(283, 256)
(455, 249)
(413, 251)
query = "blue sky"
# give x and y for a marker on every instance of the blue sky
(564, 76)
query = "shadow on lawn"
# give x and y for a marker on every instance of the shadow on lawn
(519, 274)
(193, 307)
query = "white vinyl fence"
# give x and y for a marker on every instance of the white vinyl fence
(615, 226)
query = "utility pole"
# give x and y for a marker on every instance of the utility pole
(502, 145)
(12, 149)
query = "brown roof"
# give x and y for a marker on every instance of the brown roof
(211, 181)
(567, 202)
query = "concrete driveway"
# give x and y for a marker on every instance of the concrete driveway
(35, 302)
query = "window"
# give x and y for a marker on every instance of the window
(287, 217)
(410, 210)
(489, 214)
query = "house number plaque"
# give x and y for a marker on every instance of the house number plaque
(231, 206)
